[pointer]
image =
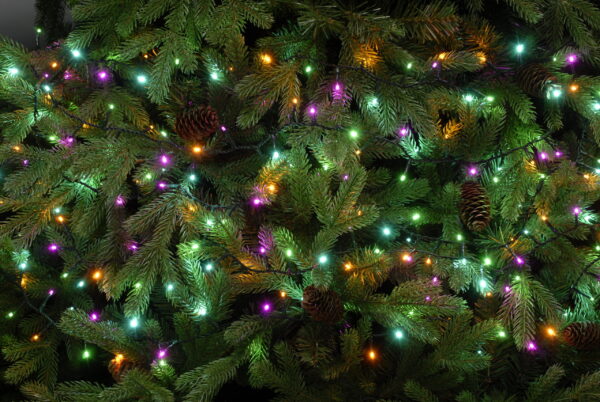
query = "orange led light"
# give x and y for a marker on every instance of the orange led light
(197, 149)
(97, 275)
(54, 64)
(230, 68)
(282, 294)
(60, 219)
(266, 59)
(372, 354)
(551, 331)
(574, 88)
(358, 152)
(272, 188)
(118, 358)
(347, 266)
(442, 56)
(16, 148)
(359, 212)
(406, 257)
(428, 261)
(85, 125)
(488, 294)
(482, 57)
(35, 337)
(295, 101)
(586, 176)
(146, 55)
(544, 218)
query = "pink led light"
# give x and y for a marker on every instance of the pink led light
(164, 160)
(223, 128)
(67, 75)
(507, 289)
(119, 201)
(572, 58)
(531, 346)
(403, 132)
(435, 280)
(312, 111)
(25, 162)
(543, 156)
(162, 185)
(434, 64)
(132, 246)
(345, 177)
(256, 201)
(102, 75)
(576, 210)
(94, 316)
(263, 250)
(53, 248)
(337, 86)
(162, 353)
(558, 154)
(473, 171)
(519, 260)
(427, 298)
(51, 292)
(46, 75)
(266, 307)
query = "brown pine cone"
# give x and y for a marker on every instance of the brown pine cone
(474, 206)
(323, 305)
(533, 78)
(195, 125)
(582, 335)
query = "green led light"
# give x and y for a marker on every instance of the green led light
(495, 179)
(377, 251)
(208, 267)
(399, 334)
(163, 133)
(520, 48)
(416, 216)
(65, 275)
(403, 177)
(459, 237)
(469, 98)
(47, 88)
(201, 311)
(353, 133)
(76, 53)
(322, 259)
(86, 354)
(137, 285)
(111, 106)
(23, 265)
(556, 93)
(148, 176)
(386, 231)
(57, 210)
(483, 283)
(487, 261)
(195, 246)
(13, 71)
(275, 155)
(489, 98)
(81, 284)
(170, 287)
(10, 315)
(517, 277)
(192, 177)
(177, 61)
(502, 334)
(38, 30)
(374, 102)
(288, 252)
(596, 106)
(597, 247)
(214, 76)
(307, 69)
(134, 323)
(409, 66)
(142, 79)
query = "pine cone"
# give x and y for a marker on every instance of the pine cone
(474, 206)
(323, 305)
(195, 125)
(582, 335)
(533, 78)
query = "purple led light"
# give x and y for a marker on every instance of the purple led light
(427, 298)
(312, 111)
(558, 154)
(434, 64)
(67, 75)
(223, 128)
(266, 307)
(162, 353)
(132, 246)
(94, 316)
(53, 247)
(263, 250)
(162, 185)
(572, 58)
(435, 280)
(25, 162)
(256, 201)
(519, 260)
(46, 75)
(164, 160)
(337, 86)
(345, 177)
(543, 156)
(67, 141)
(51, 292)
(119, 201)
(102, 75)
(507, 289)
(473, 171)
(531, 346)
(403, 132)
(576, 211)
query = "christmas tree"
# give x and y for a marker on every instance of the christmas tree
(303, 201)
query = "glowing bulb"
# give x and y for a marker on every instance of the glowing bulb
(347, 266)
(483, 283)
(170, 287)
(197, 149)
(94, 317)
(177, 61)
(489, 98)
(80, 284)
(214, 76)
(35, 337)
(97, 274)
(137, 285)
(576, 211)
(161, 354)
(60, 219)
(102, 75)
(353, 133)
(86, 354)
(208, 267)
(53, 248)
(573, 87)
(399, 334)
(403, 177)
(76, 53)
(531, 346)
(416, 216)
(288, 252)
(118, 359)
(428, 261)
(459, 237)
(276, 155)
(487, 261)
(469, 98)
(134, 323)
(307, 69)
(596, 106)
(409, 66)
(551, 331)
(556, 93)
(473, 171)
(201, 311)
(572, 58)
(372, 354)
(519, 260)
(282, 294)
(312, 111)
(407, 257)
(54, 64)
(266, 307)
(386, 231)
(502, 334)
(520, 48)
(323, 259)
(13, 71)
(10, 314)
(23, 265)
(266, 59)
(142, 79)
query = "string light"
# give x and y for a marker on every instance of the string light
(531, 346)
(266, 307)
(76, 53)
(142, 79)
(10, 314)
(81, 283)
(201, 311)
(353, 134)
(469, 98)
(487, 261)
(348, 266)
(134, 323)
(13, 71)
(53, 247)
(266, 58)
(416, 216)
(307, 69)
(372, 355)
(323, 259)
(520, 48)
(399, 334)
(35, 337)
(573, 87)
(94, 316)
(118, 359)
(54, 65)
(428, 261)
(551, 332)
(86, 354)
(282, 294)
(386, 231)
(60, 219)
(97, 275)
(170, 287)
(502, 334)
(197, 149)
